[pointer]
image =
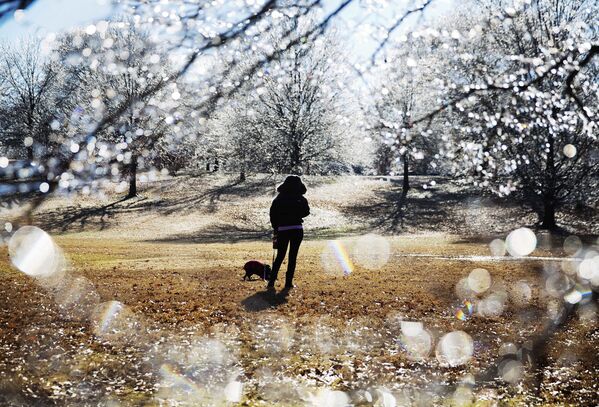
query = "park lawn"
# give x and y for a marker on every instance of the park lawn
(183, 303)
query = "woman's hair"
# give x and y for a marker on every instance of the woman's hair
(292, 185)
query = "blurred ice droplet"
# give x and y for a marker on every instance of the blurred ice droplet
(572, 245)
(521, 242)
(77, 298)
(19, 15)
(497, 247)
(511, 371)
(573, 297)
(569, 150)
(34, 252)
(385, 398)
(234, 391)
(330, 398)
(455, 348)
(492, 305)
(588, 269)
(417, 344)
(108, 313)
(411, 328)
(462, 396)
(114, 322)
(372, 251)
(507, 348)
(463, 290)
(557, 284)
(587, 313)
(520, 293)
(479, 280)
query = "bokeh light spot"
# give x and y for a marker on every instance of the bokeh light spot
(572, 245)
(34, 252)
(455, 348)
(497, 247)
(479, 280)
(521, 242)
(569, 151)
(372, 251)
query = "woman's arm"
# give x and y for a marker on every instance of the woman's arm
(305, 207)
(274, 221)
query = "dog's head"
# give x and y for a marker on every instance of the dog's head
(267, 271)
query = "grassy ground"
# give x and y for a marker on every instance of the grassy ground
(186, 329)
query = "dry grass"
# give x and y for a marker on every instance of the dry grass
(190, 324)
(332, 330)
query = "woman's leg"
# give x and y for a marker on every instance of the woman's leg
(295, 240)
(282, 243)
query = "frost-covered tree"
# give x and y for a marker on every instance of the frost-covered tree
(241, 139)
(298, 108)
(528, 90)
(407, 90)
(207, 41)
(291, 120)
(32, 94)
(118, 70)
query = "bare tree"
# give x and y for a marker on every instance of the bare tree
(30, 98)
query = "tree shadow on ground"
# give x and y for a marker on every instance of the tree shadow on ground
(436, 209)
(264, 300)
(210, 198)
(65, 219)
(78, 218)
(223, 233)
(391, 209)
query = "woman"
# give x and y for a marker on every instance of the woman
(286, 214)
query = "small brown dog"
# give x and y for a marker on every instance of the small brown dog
(258, 268)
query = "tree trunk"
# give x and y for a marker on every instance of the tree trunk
(406, 177)
(30, 131)
(549, 195)
(548, 220)
(132, 177)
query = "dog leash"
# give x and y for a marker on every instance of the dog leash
(274, 248)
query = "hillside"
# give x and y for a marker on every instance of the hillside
(222, 209)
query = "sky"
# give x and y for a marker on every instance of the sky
(356, 25)
(360, 24)
(46, 16)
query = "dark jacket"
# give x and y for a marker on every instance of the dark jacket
(288, 209)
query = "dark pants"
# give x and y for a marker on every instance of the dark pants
(286, 238)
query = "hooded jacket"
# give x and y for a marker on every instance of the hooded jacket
(289, 207)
